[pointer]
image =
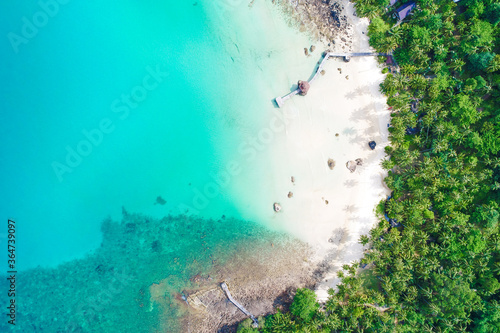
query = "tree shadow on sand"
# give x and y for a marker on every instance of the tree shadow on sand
(359, 91)
(349, 131)
(360, 114)
(350, 208)
(350, 183)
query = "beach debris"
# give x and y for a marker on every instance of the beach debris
(306, 51)
(277, 207)
(293, 180)
(304, 87)
(347, 77)
(359, 161)
(290, 194)
(312, 48)
(160, 201)
(340, 70)
(322, 72)
(331, 163)
(372, 145)
(351, 165)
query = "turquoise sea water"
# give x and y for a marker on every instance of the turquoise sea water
(107, 106)
(87, 67)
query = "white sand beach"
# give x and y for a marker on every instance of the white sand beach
(329, 209)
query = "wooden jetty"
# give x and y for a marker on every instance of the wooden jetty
(223, 285)
(280, 101)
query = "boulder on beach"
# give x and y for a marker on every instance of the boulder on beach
(372, 145)
(276, 207)
(304, 87)
(331, 163)
(351, 165)
(359, 161)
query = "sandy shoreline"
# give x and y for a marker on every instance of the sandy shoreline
(330, 209)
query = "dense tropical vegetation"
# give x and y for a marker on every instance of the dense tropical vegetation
(439, 270)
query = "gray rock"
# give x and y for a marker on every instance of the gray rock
(351, 165)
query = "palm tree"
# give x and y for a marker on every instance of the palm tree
(494, 64)
(457, 64)
(389, 45)
(396, 32)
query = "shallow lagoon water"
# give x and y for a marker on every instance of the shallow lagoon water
(108, 106)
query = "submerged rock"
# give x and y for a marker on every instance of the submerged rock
(277, 207)
(290, 194)
(306, 51)
(312, 48)
(160, 201)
